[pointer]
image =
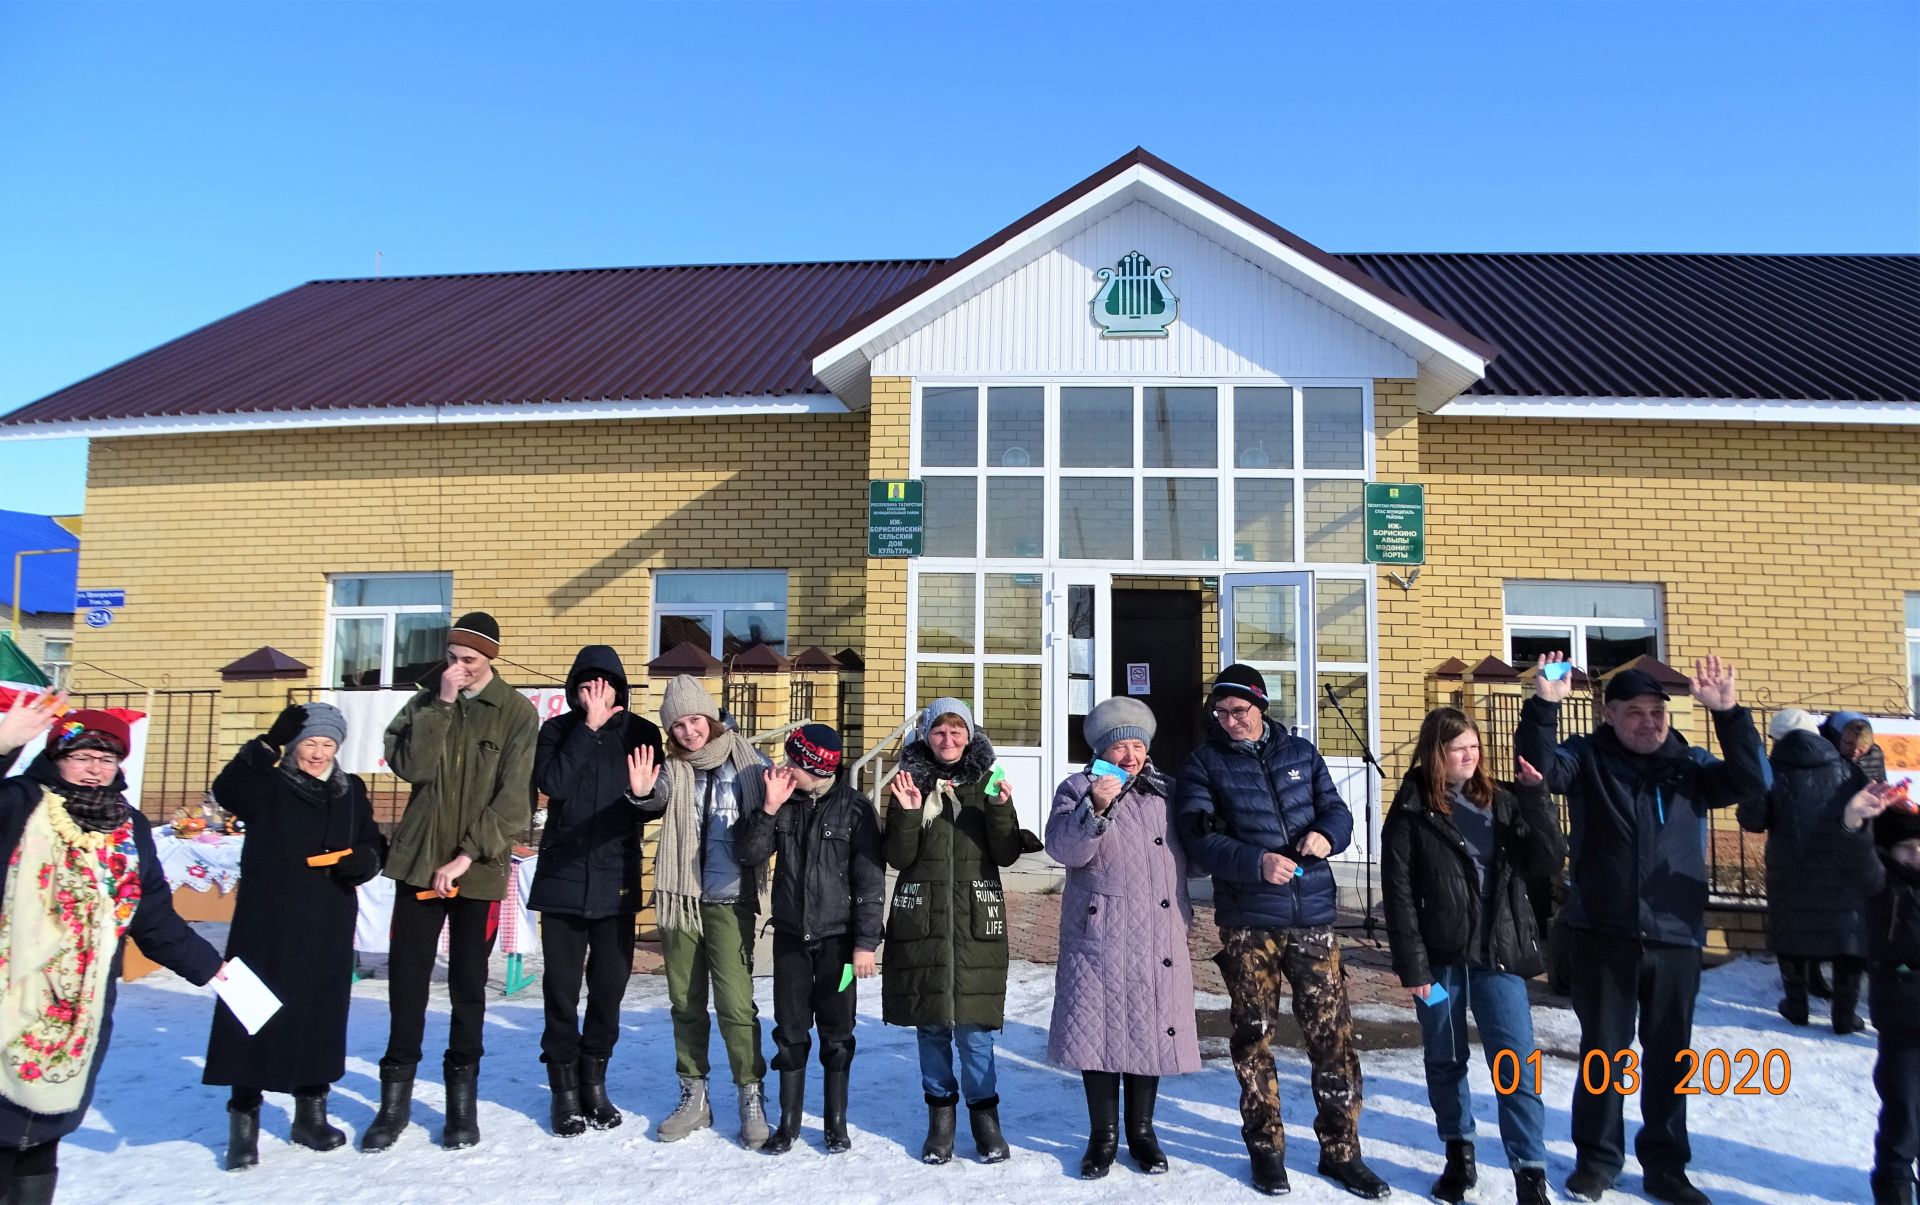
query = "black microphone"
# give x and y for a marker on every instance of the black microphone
(1331, 697)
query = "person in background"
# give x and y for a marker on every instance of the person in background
(311, 842)
(948, 835)
(829, 890)
(1123, 990)
(1886, 857)
(1457, 852)
(81, 876)
(465, 741)
(586, 885)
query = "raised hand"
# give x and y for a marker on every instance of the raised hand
(642, 773)
(905, 792)
(780, 786)
(1104, 791)
(1864, 806)
(453, 679)
(28, 720)
(597, 697)
(1550, 689)
(1713, 683)
(1525, 774)
(286, 726)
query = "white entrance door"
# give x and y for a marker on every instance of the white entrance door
(1266, 621)
(1079, 658)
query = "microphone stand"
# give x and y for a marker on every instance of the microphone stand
(1371, 767)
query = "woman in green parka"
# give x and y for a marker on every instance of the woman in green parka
(945, 971)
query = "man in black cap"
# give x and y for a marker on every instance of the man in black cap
(1638, 797)
(1258, 810)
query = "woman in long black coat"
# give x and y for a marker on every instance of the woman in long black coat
(293, 923)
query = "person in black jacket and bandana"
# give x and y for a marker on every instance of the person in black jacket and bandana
(1457, 851)
(586, 885)
(1638, 797)
(828, 894)
(1887, 863)
(1258, 810)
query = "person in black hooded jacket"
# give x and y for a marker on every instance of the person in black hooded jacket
(1886, 861)
(586, 885)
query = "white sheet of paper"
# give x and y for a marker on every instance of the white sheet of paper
(1079, 696)
(253, 1002)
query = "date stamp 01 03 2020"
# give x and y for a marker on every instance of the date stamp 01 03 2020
(1713, 1072)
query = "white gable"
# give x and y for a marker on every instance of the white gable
(1235, 317)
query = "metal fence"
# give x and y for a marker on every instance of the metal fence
(183, 737)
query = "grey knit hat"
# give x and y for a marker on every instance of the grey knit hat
(945, 705)
(684, 697)
(1118, 719)
(323, 719)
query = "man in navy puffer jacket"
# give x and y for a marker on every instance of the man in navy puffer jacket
(1259, 812)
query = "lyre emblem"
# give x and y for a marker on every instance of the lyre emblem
(1135, 301)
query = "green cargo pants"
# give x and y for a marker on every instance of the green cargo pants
(720, 955)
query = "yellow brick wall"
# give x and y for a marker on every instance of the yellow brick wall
(884, 686)
(1398, 427)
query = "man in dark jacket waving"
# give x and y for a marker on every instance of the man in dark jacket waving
(1258, 811)
(1638, 797)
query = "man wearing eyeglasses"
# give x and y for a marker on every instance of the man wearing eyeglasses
(1259, 812)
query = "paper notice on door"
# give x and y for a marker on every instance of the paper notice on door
(253, 1002)
(1079, 696)
(1080, 656)
(1139, 678)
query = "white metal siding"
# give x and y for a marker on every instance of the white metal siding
(1235, 318)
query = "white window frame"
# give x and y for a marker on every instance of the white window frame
(714, 613)
(1913, 651)
(60, 669)
(387, 613)
(1579, 625)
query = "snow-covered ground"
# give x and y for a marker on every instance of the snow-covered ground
(157, 1135)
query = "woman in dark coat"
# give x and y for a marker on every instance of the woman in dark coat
(945, 972)
(81, 875)
(1816, 905)
(293, 922)
(1457, 851)
(586, 885)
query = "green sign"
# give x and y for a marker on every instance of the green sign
(896, 518)
(1396, 523)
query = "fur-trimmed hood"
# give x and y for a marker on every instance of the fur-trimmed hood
(975, 763)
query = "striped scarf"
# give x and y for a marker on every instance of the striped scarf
(676, 868)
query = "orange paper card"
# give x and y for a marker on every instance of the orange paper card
(434, 895)
(329, 858)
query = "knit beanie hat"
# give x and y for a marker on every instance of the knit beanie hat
(684, 697)
(1118, 719)
(1791, 719)
(815, 748)
(89, 728)
(945, 705)
(478, 631)
(1239, 681)
(323, 719)
(1895, 825)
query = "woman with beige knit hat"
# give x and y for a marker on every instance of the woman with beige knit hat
(705, 901)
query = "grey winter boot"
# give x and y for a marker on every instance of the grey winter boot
(753, 1116)
(693, 1112)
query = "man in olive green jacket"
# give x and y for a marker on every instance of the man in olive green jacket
(465, 741)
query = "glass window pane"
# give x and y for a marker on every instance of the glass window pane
(1913, 659)
(1330, 732)
(1584, 600)
(356, 651)
(1016, 511)
(419, 645)
(1013, 613)
(1096, 428)
(1913, 612)
(1333, 521)
(1340, 620)
(952, 520)
(744, 629)
(395, 590)
(1182, 428)
(1181, 518)
(1332, 433)
(1096, 519)
(1011, 711)
(946, 613)
(720, 589)
(1527, 645)
(1266, 625)
(1016, 419)
(1263, 428)
(1263, 519)
(950, 427)
(1609, 648)
(676, 630)
(934, 681)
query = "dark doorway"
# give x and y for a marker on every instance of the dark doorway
(1161, 630)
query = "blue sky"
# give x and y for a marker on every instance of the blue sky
(168, 163)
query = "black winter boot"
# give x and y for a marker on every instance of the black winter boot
(463, 1107)
(311, 1128)
(396, 1108)
(1459, 1175)
(1354, 1176)
(835, 1112)
(1103, 1122)
(1846, 998)
(1672, 1186)
(600, 1113)
(1793, 977)
(1269, 1169)
(33, 1190)
(1530, 1186)
(938, 1147)
(1141, 1091)
(1816, 982)
(793, 1095)
(985, 1116)
(1889, 1187)
(563, 1080)
(243, 1138)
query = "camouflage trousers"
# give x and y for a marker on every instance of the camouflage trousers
(1253, 961)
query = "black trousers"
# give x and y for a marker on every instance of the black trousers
(600, 950)
(42, 1160)
(1616, 982)
(1896, 1076)
(416, 941)
(806, 993)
